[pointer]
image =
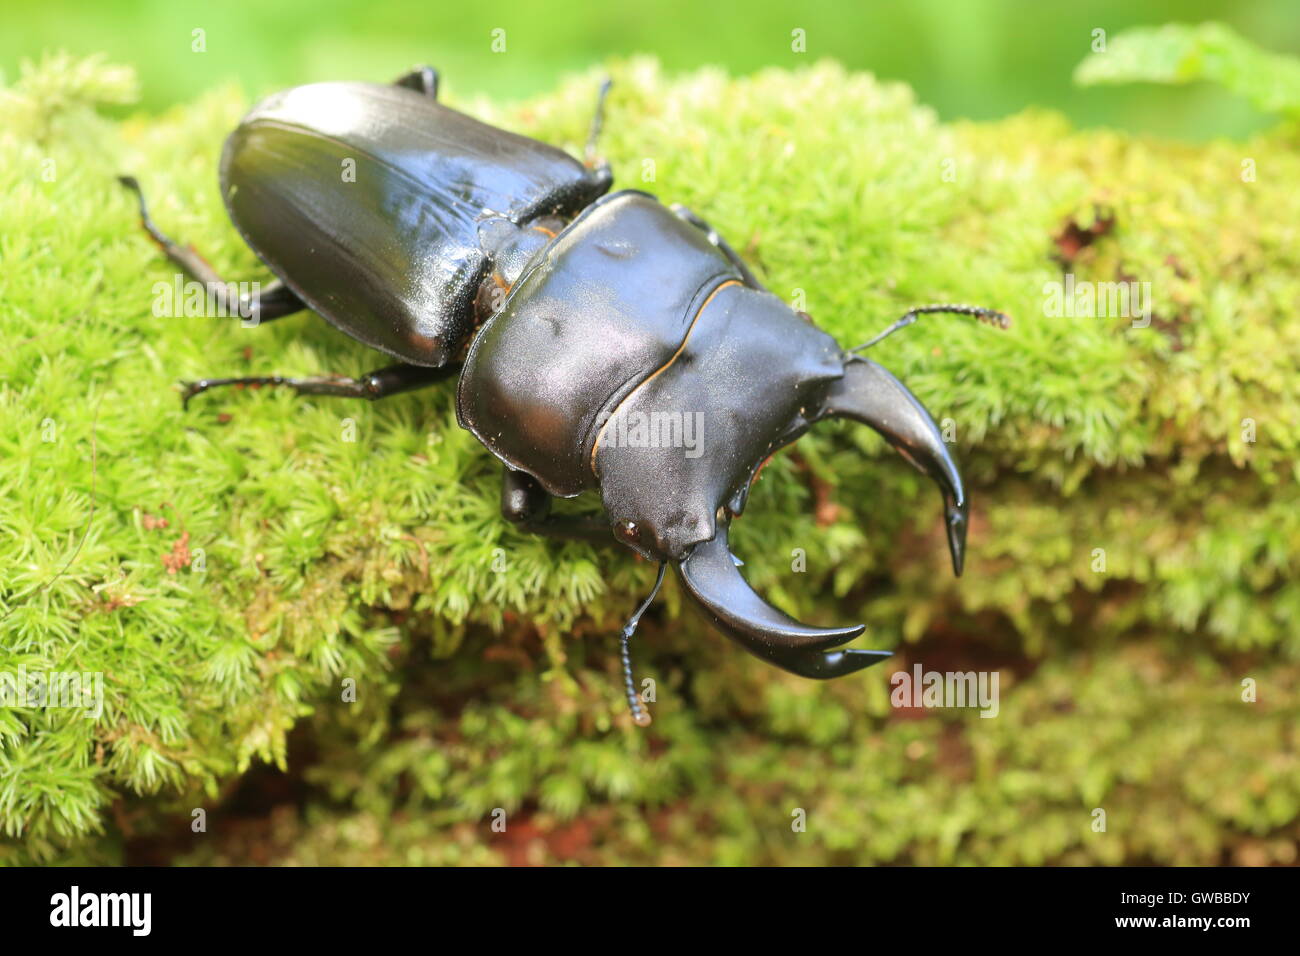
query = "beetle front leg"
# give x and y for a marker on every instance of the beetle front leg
(275, 301)
(381, 383)
(723, 246)
(525, 503)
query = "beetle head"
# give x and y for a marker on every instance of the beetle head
(753, 376)
(871, 395)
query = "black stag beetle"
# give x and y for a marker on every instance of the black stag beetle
(456, 247)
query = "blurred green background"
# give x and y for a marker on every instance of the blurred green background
(980, 59)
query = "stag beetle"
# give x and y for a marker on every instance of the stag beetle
(458, 248)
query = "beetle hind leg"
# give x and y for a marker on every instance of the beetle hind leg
(422, 79)
(273, 301)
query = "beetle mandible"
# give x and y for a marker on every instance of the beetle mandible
(567, 312)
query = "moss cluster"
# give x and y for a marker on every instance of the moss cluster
(242, 571)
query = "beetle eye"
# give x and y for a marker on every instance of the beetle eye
(627, 530)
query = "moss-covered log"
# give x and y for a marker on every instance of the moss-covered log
(233, 571)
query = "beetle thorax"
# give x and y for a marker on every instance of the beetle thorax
(630, 357)
(510, 248)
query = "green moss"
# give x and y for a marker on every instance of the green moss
(373, 560)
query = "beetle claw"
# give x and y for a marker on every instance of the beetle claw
(824, 665)
(868, 393)
(709, 575)
(957, 515)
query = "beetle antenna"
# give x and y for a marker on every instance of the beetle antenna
(993, 317)
(640, 716)
(597, 121)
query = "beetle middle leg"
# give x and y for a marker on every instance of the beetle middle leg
(274, 301)
(381, 383)
(524, 502)
(600, 167)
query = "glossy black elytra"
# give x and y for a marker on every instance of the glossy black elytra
(603, 342)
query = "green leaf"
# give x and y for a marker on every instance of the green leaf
(1181, 53)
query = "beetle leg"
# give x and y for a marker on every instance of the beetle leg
(709, 575)
(274, 301)
(597, 123)
(524, 502)
(725, 247)
(601, 173)
(422, 79)
(868, 393)
(380, 383)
